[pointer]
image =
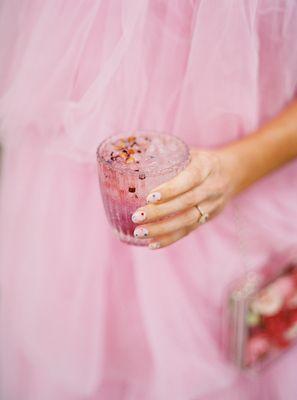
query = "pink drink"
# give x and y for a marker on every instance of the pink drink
(129, 168)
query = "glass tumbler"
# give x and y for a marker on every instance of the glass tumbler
(129, 167)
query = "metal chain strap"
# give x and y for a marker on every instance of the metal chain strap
(242, 244)
(251, 276)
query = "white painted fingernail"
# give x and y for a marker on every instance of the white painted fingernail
(138, 216)
(155, 245)
(140, 232)
(153, 197)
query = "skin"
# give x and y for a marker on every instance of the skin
(213, 177)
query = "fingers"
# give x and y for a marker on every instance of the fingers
(172, 229)
(193, 175)
(166, 240)
(185, 219)
(152, 212)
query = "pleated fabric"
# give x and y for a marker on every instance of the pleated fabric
(83, 316)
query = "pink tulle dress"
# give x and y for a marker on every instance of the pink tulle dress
(84, 316)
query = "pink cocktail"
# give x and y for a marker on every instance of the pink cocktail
(129, 167)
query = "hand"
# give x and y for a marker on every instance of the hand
(172, 213)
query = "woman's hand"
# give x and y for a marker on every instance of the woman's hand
(213, 177)
(172, 213)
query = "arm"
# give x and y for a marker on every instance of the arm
(269, 148)
(213, 177)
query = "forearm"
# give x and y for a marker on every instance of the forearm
(260, 153)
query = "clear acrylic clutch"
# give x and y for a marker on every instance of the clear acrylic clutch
(261, 313)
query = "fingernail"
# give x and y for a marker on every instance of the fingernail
(153, 197)
(140, 232)
(155, 245)
(138, 216)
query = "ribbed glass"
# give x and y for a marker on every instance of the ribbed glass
(124, 190)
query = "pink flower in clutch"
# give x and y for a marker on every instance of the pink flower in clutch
(275, 327)
(291, 332)
(271, 299)
(267, 302)
(292, 300)
(283, 285)
(258, 347)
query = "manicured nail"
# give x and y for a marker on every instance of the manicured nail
(138, 216)
(140, 232)
(153, 197)
(155, 245)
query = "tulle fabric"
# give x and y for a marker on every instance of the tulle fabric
(85, 317)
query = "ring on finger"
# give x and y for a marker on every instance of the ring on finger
(203, 215)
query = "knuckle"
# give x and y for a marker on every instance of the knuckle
(195, 168)
(161, 229)
(192, 176)
(220, 184)
(169, 191)
(191, 216)
(189, 199)
(156, 211)
(204, 164)
(153, 211)
(162, 210)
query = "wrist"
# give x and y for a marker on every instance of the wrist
(235, 168)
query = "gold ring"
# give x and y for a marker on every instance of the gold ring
(203, 216)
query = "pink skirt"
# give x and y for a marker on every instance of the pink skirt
(84, 316)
